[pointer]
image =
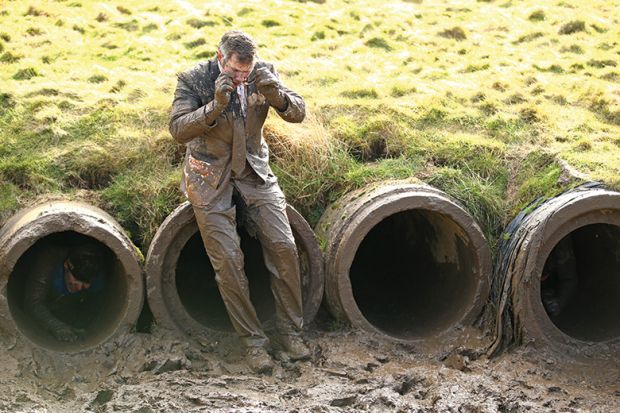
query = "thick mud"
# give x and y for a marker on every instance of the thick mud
(349, 371)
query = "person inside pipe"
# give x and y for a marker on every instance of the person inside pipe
(559, 277)
(218, 111)
(64, 286)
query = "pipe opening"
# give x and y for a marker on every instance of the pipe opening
(580, 283)
(97, 312)
(198, 291)
(413, 274)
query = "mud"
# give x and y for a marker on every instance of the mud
(349, 371)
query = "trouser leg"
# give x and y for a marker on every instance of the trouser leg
(266, 209)
(219, 233)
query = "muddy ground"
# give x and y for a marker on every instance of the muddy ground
(349, 371)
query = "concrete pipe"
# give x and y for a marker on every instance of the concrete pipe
(405, 261)
(557, 278)
(181, 288)
(52, 228)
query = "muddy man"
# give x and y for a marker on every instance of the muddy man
(219, 110)
(64, 289)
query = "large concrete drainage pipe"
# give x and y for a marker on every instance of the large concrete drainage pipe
(566, 249)
(58, 226)
(405, 261)
(181, 287)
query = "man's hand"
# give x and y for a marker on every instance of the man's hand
(223, 88)
(69, 334)
(269, 86)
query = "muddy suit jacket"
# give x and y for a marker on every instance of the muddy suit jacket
(209, 137)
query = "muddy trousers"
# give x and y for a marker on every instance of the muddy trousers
(266, 209)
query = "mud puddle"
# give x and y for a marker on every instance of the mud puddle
(349, 371)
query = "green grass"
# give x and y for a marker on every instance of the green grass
(483, 99)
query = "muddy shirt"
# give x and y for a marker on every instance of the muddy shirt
(209, 136)
(47, 297)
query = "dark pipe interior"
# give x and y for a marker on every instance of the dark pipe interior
(592, 311)
(198, 292)
(98, 314)
(412, 275)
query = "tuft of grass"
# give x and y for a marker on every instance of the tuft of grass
(378, 43)
(270, 23)
(26, 73)
(515, 99)
(378, 137)
(400, 91)
(33, 11)
(538, 176)
(537, 16)
(9, 57)
(456, 33)
(475, 68)
(97, 79)
(611, 76)
(571, 27)
(529, 115)
(102, 17)
(574, 48)
(361, 93)
(130, 26)
(199, 24)
(123, 10)
(205, 54)
(529, 37)
(6, 100)
(318, 35)
(602, 63)
(34, 31)
(553, 68)
(583, 145)
(195, 43)
(481, 197)
(245, 11)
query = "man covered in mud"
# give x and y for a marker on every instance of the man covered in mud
(63, 287)
(559, 277)
(219, 110)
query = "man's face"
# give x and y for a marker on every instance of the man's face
(73, 284)
(239, 71)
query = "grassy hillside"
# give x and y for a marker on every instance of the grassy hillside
(495, 102)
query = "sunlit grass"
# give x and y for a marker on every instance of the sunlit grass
(481, 99)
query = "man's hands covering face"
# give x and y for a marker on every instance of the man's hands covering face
(269, 86)
(223, 88)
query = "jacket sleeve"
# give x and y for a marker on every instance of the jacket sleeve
(38, 287)
(295, 110)
(188, 117)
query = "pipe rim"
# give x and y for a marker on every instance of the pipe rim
(359, 227)
(603, 207)
(165, 250)
(84, 219)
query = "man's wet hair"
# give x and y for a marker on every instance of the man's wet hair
(236, 41)
(87, 262)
